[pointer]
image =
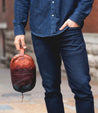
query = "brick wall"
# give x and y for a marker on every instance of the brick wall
(91, 22)
(2, 12)
(10, 12)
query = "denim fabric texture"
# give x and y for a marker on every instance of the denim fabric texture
(47, 16)
(69, 47)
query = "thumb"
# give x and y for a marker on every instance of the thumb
(64, 25)
(23, 43)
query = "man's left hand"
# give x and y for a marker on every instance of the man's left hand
(69, 23)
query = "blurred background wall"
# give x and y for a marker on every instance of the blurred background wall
(7, 48)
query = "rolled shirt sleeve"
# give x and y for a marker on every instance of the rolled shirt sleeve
(21, 10)
(82, 11)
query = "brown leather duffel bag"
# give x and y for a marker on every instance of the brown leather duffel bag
(23, 72)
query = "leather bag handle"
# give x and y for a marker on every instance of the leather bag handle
(21, 51)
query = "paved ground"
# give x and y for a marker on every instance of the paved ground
(10, 100)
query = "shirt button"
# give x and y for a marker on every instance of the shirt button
(52, 2)
(52, 14)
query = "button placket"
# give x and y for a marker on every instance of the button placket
(52, 16)
(52, 8)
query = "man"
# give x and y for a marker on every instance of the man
(56, 34)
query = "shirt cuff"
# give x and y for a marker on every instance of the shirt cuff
(19, 29)
(78, 19)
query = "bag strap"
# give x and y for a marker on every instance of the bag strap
(21, 51)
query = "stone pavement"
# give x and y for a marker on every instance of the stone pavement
(10, 100)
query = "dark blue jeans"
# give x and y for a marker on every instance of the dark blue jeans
(69, 47)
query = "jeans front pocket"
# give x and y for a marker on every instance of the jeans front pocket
(74, 28)
(72, 31)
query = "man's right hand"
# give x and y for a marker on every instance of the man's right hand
(20, 41)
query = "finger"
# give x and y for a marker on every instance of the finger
(23, 43)
(63, 26)
(17, 44)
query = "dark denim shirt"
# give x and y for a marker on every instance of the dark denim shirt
(47, 16)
